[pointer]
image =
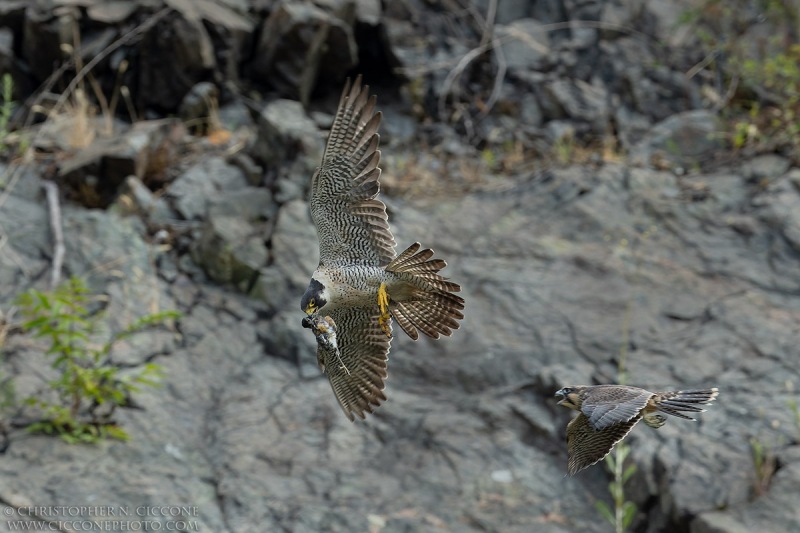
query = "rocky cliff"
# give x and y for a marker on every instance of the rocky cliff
(666, 251)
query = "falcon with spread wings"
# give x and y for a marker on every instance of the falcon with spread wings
(360, 283)
(606, 413)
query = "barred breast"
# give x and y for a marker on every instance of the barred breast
(351, 286)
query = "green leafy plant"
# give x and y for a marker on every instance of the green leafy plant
(756, 73)
(793, 407)
(624, 511)
(86, 378)
(778, 79)
(564, 148)
(7, 393)
(6, 106)
(764, 466)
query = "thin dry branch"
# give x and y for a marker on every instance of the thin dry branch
(54, 208)
(500, 56)
(487, 44)
(456, 71)
(141, 28)
(488, 24)
(16, 172)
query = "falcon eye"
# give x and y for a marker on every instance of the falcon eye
(311, 306)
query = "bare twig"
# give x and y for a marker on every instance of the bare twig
(54, 208)
(700, 65)
(12, 255)
(141, 28)
(487, 43)
(500, 56)
(726, 98)
(488, 25)
(6, 321)
(499, 77)
(126, 96)
(108, 118)
(453, 75)
(121, 70)
(16, 173)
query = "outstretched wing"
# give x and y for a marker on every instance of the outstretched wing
(357, 367)
(352, 225)
(606, 405)
(586, 445)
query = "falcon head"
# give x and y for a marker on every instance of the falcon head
(315, 297)
(570, 397)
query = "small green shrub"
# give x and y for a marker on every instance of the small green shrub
(7, 393)
(773, 116)
(6, 107)
(758, 72)
(764, 466)
(624, 511)
(87, 379)
(793, 407)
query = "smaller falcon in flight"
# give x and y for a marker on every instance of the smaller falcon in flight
(606, 413)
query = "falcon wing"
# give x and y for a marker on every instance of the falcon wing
(608, 405)
(352, 225)
(357, 368)
(586, 445)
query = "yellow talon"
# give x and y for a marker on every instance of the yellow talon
(383, 304)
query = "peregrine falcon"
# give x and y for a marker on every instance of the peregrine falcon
(361, 283)
(608, 412)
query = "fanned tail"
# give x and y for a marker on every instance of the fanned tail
(672, 403)
(437, 310)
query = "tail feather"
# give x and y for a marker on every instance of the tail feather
(422, 267)
(405, 322)
(433, 317)
(673, 403)
(401, 260)
(434, 310)
(681, 406)
(412, 320)
(439, 282)
(675, 413)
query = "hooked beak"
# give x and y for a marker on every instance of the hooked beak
(562, 394)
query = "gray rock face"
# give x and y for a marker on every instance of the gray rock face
(295, 41)
(776, 509)
(526, 45)
(284, 132)
(97, 171)
(230, 250)
(685, 139)
(577, 100)
(561, 275)
(688, 278)
(290, 146)
(203, 183)
(295, 254)
(6, 49)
